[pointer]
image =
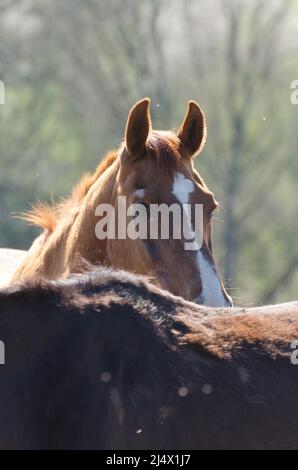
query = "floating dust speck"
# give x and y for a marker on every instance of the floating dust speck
(106, 377)
(244, 375)
(183, 391)
(207, 389)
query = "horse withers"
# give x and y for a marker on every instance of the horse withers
(150, 168)
(107, 360)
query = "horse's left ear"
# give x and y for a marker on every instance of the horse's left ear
(137, 128)
(193, 131)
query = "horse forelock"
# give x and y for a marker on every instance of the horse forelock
(163, 146)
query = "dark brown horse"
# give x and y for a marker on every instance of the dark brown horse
(108, 361)
(151, 168)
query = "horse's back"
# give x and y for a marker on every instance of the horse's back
(120, 364)
(10, 260)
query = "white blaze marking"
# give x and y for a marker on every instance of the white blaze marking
(211, 294)
(211, 287)
(182, 188)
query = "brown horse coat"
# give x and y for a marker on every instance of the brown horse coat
(108, 361)
(150, 168)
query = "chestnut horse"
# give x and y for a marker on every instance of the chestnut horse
(107, 361)
(150, 167)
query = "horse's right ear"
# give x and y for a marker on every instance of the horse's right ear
(138, 127)
(193, 131)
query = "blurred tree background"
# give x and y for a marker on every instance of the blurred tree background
(72, 69)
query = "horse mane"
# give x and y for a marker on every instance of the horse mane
(161, 146)
(45, 215)
(88, 179)
(41, 214)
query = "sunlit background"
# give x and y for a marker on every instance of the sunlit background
(73, 68)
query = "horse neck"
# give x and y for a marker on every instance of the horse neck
(73, 241)
(82, 244)
(46, 257)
